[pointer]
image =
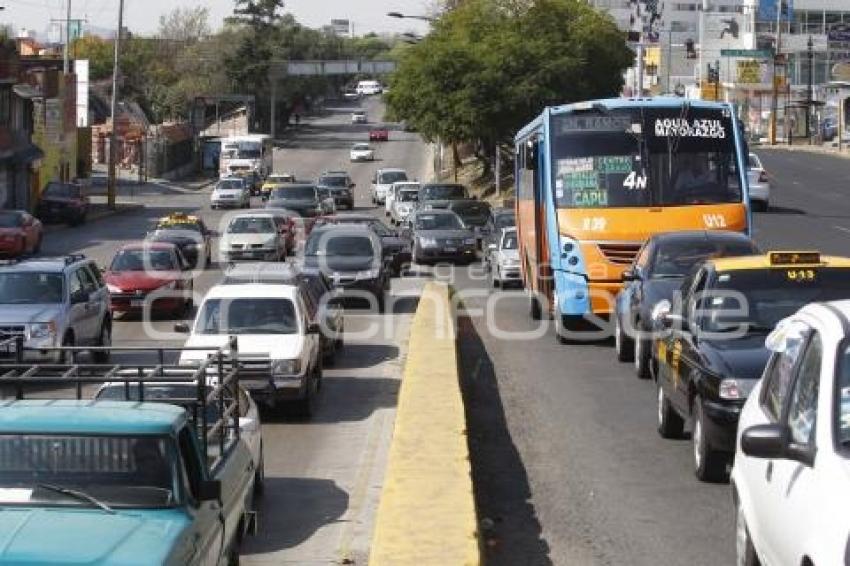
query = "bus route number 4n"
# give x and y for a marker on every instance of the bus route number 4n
(635, 182)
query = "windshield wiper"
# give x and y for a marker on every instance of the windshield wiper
(76, 494)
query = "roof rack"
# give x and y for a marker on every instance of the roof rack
(216, 380)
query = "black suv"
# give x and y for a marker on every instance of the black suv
(339, 186)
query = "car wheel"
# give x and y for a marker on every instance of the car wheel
(623, 344)
(306, 407)
(494, 275)
(642, 358)
(709, 464)
(744, 550)
(382, 303)
(260, 475)
(64, 357)
(670, 424)
(38, 242)
(104, 340)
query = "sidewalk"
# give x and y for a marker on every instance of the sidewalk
(98, 211)
(128, 180)
(830, 148)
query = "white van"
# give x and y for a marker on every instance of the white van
(369, 87)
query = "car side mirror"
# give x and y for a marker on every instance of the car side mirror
(630, 275)
(663, 318)
(80, 297)
(209, 490)
(181, 327)
(765, 441)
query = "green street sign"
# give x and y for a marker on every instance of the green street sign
(749, 53)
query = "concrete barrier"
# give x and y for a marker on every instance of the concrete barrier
(427, 510)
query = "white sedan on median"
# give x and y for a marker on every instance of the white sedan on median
(362, 152)
(759, 183)
(791, 477)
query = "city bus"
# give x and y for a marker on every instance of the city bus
(595, 179)
(245, 154)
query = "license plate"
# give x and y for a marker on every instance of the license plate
(137, 302)
(451, 250)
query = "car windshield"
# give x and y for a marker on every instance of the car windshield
(62, 190)
(293, 193)
(172, 225)
(509, 241)
(644, 157)
(87, 471)
(340, 246)
(475, 213)
(390, 177)
(360, 147)
(761, 298)
(185, 395)
(843, 393)
(333, 181)
(443, 192)
(251, 225)
(677, 258)
(754, 162)
(438, 222)
(30, 288)
(408, 195)
(11, 220)
(247, 316)
(229, 185)
(504, 220)
(143, 260)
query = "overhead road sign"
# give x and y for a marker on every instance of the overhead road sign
(748, 53)
(325, 68)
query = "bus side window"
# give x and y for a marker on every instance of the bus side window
(531, 155)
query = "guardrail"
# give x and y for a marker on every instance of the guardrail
(427, 509)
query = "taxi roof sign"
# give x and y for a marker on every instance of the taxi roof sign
(794, 258)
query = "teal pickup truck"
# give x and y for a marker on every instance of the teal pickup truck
(123, 482)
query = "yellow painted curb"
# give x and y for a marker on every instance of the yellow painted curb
(427, 510)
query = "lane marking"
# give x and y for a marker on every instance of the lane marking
(842, 228)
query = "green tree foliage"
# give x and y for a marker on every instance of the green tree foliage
(489, 66)
(99, 52)
(185, 23)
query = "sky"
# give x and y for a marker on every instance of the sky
(142, 16)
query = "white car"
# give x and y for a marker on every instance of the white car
(362, 152)
(358, 117)
(253, 236)
(503, 260)
(271, 324)
(383, 180)
(791, 477)
(759, 182)
(230, 192)
(404, 202)
(393, 191)
(185, 394)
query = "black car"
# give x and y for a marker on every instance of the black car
(710, 350)
(396, 247)
(438, 195)
(63, 202)
(440, 235)
(657, 272)
(339, 186)
(306, 200)
(350, 256)
(474, 214)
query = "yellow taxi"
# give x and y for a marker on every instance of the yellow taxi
(275, 180)
(710, 350)
(188, 233)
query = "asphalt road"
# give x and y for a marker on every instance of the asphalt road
(323, 476)
(568, 466)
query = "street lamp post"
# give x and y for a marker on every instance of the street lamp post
(409, 17)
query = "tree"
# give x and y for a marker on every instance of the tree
(185, 24)
(98, 51)
(489, 66)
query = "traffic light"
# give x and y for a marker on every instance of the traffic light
(690, 50)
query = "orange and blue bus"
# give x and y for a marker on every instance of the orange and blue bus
(595, 179)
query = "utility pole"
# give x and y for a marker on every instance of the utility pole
(809, 95)
(113, 137)
(67, 51)
(774, 109)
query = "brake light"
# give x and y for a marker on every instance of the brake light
(763, 177)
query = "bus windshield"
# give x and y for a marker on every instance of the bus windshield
(644, 157)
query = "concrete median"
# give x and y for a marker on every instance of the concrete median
(427, 509)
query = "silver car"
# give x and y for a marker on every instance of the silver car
(50, 302)
(759, 183)
(231, 192)
(504, 260)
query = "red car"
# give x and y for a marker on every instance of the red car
(141, 270)
(20, 233)
(379, 134)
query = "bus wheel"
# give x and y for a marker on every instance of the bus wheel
(534, 309)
